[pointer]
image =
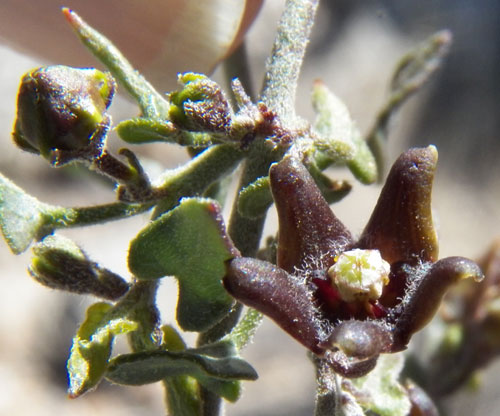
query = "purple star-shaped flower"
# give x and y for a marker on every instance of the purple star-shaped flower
(349, 300)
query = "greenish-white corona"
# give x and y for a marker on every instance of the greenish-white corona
(360, 275)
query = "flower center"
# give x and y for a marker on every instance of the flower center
(360, 275)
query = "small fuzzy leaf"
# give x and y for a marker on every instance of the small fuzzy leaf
(91, 348)
(60, 264)
(363, 164)
(217, 372)
(255, 199)
(340, 139)
(380, 390)
(21, 216)
(190, 243)
(145, 130)
(415, 68)
(333, 124)
(244, 331)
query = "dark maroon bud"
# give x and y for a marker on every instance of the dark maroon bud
(422, 302)
(401, 226)
(354, 347)
(62, 109)
(307, 226)
(279, 295)
(200, 105)
(360, 339)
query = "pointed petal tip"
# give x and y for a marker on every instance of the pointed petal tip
(465, 268)
(401, 225)
(433, 152)
(418, 160)
(427, 296)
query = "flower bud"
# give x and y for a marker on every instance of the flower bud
(60, 264)
(60, 108)
(200, 105)
(354, 347)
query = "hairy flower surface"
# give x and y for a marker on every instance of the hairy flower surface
(344, 299)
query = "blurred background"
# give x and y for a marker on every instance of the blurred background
(354, 48)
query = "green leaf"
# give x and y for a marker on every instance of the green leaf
(255, 199)
(380, 390)
(339, 138)
(229, 390)
(244, 331)
(144, 130)
(91, 347)
(22, 217)
(182, 391)
(60, 264)
(363, 164)
(214, 366)
(333, 124)
(190, 243)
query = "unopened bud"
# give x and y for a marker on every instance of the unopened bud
(200, 105)
(60, 108)
(60, 264)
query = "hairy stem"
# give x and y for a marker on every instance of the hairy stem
(283, 68)
(82, 216)
(246, 232)
(196, 176)
(151, 102)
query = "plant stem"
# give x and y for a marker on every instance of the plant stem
(82, 216)
(326, 396)
(278, 93)
(196, 176)
(211, 403)
(246, 232)
(152, 104)
(282, 72)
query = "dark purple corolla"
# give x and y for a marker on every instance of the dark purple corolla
(349, 300)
